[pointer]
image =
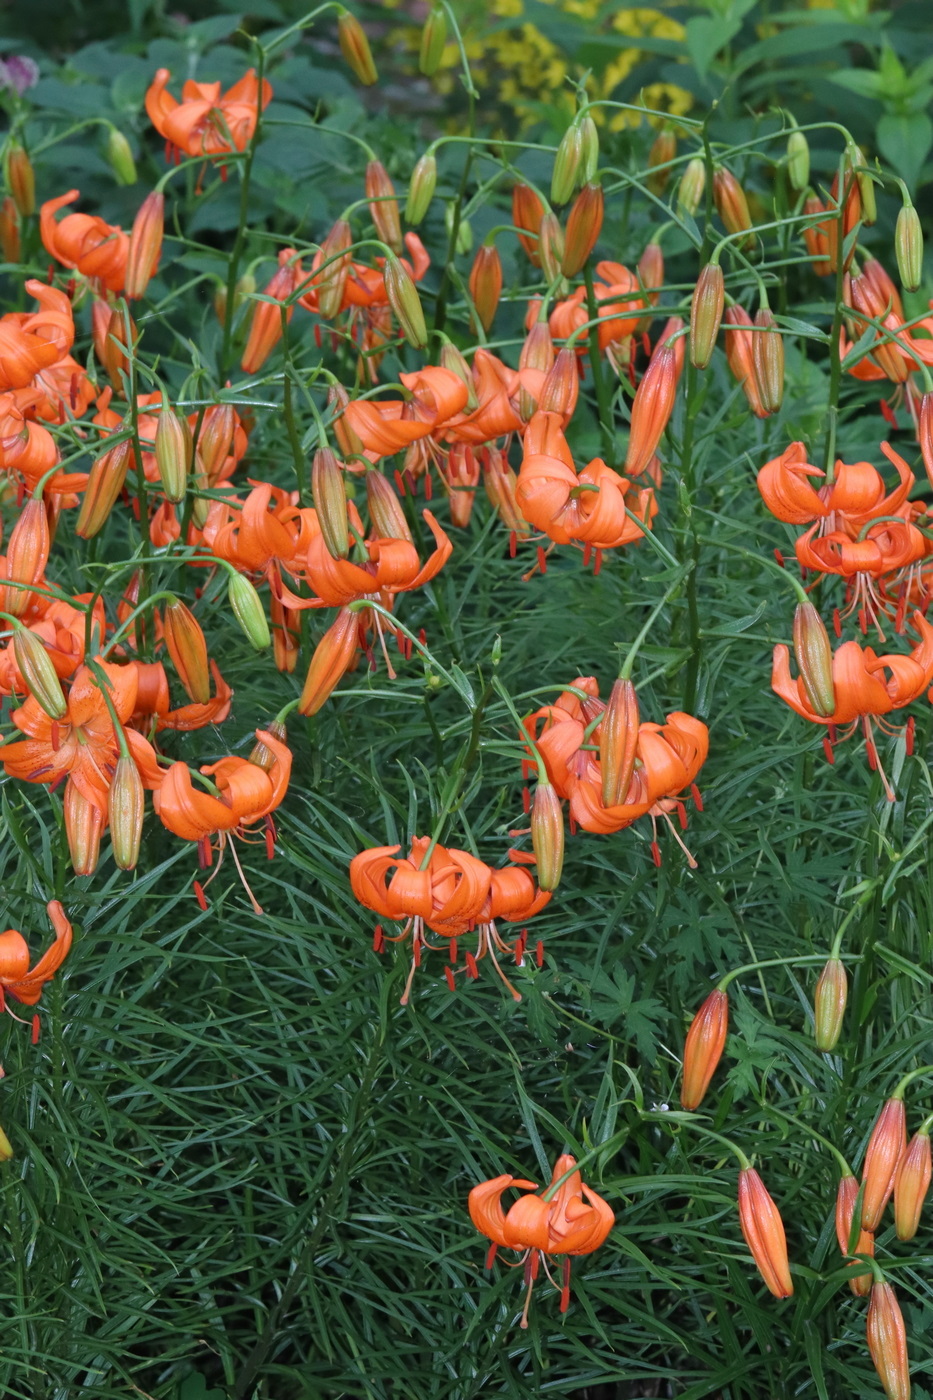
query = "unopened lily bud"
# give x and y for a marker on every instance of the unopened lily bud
(383, 206)
(590, 138)
(21, 178)
(846, 1196)
(385, 509)
(537, 353)
(244, 288)
(651, 408)
(706, 310)
(330, 502)
(348, 441)
(354, 46)
(815, 659)
(261, 754)
(331, 282)
(856, 159)
(560, 390)
(732, 204)
(763, 1230)
(145, 244)
(618, 742)
(248, 611)
(215, 440)
(126, 808)
(885, 1149)
(651, 271)
(829, 1004)
(908, 246)
(527, 213)
(692, 186)
(663, 151)
(109, 330)
(911, 1184)
(188, 649)
(925, 432)
(551, 246)
(172, 453)
(200, 504)
(104, 484)
(547, 835)
(798, 160)
(10, 241)
(333, 657)
(421, 188)
(768, 361)
(464, 243)
(27, 554)
(816, 238)
(568, 164)
(37, 670)
(887, 1341)
(405, 302)
(433, 39)
(501, 485)
(451, 358)
(486, 283)
(120, 157)
(84, 823)
(703, 1048)
(584, 225)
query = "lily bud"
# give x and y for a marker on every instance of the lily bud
(798, 160)
(433, 39)
(763, 1229)
(651, 272)
(651, 408)
(886, 1146)
(618, 742)
(248, 611)
(27, 554)
(732, 204)
(911, 1184)
(385, 509)
(816, 238)
(109, 333)
(568, 164)
(126, 808)
(551, 246)
(383, 206)
(10, 242)
(451, 358)
(464, 240)
(692, 186)
(330, 501)
(104, 484)
(260, 753)
(216, 438)
(21, 178)
(703, 1048)
(560, 390)
(925, 432)
(887, 1341)
(846, 1197)
(120, 157)
(331, 283)
(333, 657)
(829, 1004)
(405, 302)
(244, 288)
(590, 137)
(188, 649)
(768, 361)
(501, 485)
(421, 188)
(486, 283)
(815, 660)
(145, 244)
(536, 353)
(348, 441)
(354, 46)
(908, 246)
(706, 309)
(84, 823)
(200, 505)
(547, 835)
(527, 213)
(584, 225)
(37, 670)
(855, 157)
(6, 1147)
(663, 151)
(461, 477)
(172, 452)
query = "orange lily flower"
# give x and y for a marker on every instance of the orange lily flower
(857, 494)
(393, 567)
(364, 288)
(265, 330)
(32, 342)
(267, 528)
(28, 449)
(388, 426)
(16, 980)
(89, 244)
(206, 122)
(497, 388)
(449, 892)
(565, 1220)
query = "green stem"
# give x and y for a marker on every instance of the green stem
(233, 269)
(603, 400)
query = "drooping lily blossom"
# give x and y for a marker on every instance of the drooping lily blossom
(449, 892)
(496, 388)
(387, 426)
(567, 1219)
(85, 242)
(256, 533)
(857, 495)
(364, 288)
(32, 342)
(207, 122)
(16, 978)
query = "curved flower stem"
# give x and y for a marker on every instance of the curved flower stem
(803, 958)
(846, 1170)
(911, 1075)
(689, 1121)
(630, 655)
(603, 400)
(863, 898)
(233, 268)
(542, 771)
(835, 355)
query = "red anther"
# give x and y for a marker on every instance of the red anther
(831, 731)
(205, 853)
(270, 840)
(587, 552)
(399, 482)
(199, 894)
(828, 750)
(379, 941)
(317, 334)
(73, 392)
(371, 656)
(901, 610)
(2, 1001)
(408, 647)
(872, 754)
(452, 950)
(539, 952)
(35, 1030)
(909, 735)
(416, 952)
(491, 1255)
(837, 623)
(572, 823)
(20, 493)
(863, 621)
(54, 736)
(887, 413)
(682, 815)
(449, 974)
(779, 557)
(519, 952)
(526, 800)
(697, 797)
(472, 969)
(428, 486)
(598, 564)
(542, 560)
(411, 481)
(513, 544)
(58, 782)
(565, 1285)
(656, 854)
